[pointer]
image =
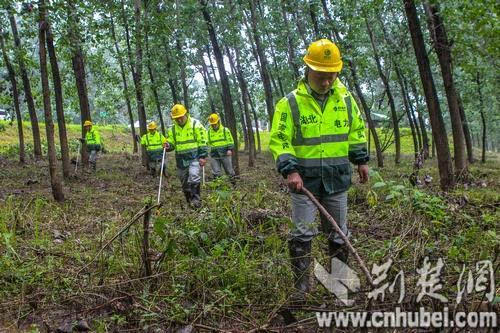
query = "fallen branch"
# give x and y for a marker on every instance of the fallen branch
(125, 228)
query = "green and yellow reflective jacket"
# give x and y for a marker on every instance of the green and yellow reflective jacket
(220, 141)
(189, 142)
(153, 141)
(318, 141)
(93, 140)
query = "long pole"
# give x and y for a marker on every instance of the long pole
(161, 172)
(78, 155)
(342, 235)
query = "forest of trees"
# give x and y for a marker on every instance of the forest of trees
(428, 65)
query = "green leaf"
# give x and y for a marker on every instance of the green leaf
(379, 184)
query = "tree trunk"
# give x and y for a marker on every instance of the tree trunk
(78, 64)
(483, 118)
(216, 82)
(467, 134)
(153, 84)
(182, 65)
(406, 104)
(438, 129)
(394, 115)
(443, 50)
(171, 82)
(15, 97)
(314, 19)
(206, 81)
(263, 62)
(125, 84)
(300, 27)
(37, 146)
(226, 92)
(291, 47)
(61, 123)
(256, 120)
(244, 96)
(425, 137)
(412, 114)
(371, 124)
(55, 182)
(138, 76)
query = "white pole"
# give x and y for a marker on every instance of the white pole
(203, 174)
(161, 173)
(78, 155)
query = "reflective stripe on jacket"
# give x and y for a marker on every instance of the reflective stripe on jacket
(153, 141)
(220, 141)
(318, 141)
(189, 141)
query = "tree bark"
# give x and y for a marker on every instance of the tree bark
(61, 123)
(55, 182)
(314, 19)
(394, 115)
(206, 81)
(37, 146)
(438, 129)
(171, 81)
(153, 83)
(263, 62)
(256, 121)
(138, 76)
(300, 27)
(443, 50)
(226, 92)
(425, 137)
(483, 118)
(78, 64)
(406, 104)
(15, 97)
(125, 84)
(182, 65)
(467, 134)
(291, 47)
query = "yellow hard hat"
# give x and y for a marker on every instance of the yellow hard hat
(323, 56)
(213, 119)
(178, 110)
(152, 125)
(87, 123)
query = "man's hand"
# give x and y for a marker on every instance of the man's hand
(202, 161)
(294, 182)
(229, 152)
(166, 145)
(363, 173)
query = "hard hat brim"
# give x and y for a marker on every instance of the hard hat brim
(179, 115)
(321, 68)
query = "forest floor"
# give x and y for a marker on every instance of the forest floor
(224, 267)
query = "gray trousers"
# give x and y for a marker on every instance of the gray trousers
(304, 217)
(190, 175)
(93, 157)
(217, 163)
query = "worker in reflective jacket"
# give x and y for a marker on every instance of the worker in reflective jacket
(93, 141)
(317, 130)
(221, 146)
(154, 142)
(188, 138)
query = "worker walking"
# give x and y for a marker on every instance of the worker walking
(93, 141)
(188, 138)
(221, 145)
(317, 129)
(154, 142)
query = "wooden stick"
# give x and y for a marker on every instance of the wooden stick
(342, 235)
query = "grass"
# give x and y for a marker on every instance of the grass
(225, 266)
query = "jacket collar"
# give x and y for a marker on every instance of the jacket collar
(303, 88)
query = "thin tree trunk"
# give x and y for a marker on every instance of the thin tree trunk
(300, 27)
(61, 123)
(414, 119)
(244, 96)
(406, 104)
(171, 82)
(37, 146)
(445, 165)
(55, 182)
(226, 92)
(443, 50)
(263, 62)
(291, 47)
(371, 124)
(15, 97)
(125, 84)
(314, 19)
(78, 64)
(467, 134)
(256, 120)
(180, 56)
(425, 137)
(483, 118)
(394, 115)
(138, 75)
(204, 74)
(153, 83)
(216, 82)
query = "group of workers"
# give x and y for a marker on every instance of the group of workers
(317, 130)
(192, 144)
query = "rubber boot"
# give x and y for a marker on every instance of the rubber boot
(339, 251)
(300, 255)
(187, 195)
(196, 197)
